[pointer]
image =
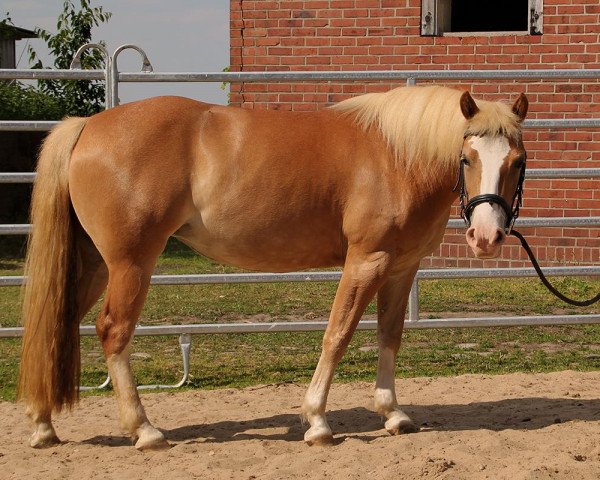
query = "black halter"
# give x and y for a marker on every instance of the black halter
(468, 205)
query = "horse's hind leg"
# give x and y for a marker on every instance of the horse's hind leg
(391, 309)
(91, 281)
(128, 284)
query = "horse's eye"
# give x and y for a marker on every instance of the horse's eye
(465, 161)
(518, 163)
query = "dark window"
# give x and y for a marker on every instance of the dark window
(489, 16)
(468, 16)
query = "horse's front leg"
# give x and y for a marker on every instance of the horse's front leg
(391, 309)
(362, 276)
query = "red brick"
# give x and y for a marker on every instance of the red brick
(367, 22)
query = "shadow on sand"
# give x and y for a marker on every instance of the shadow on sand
(516, 414)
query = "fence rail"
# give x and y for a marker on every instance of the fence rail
(320, 325)
(356, 76)
(44, 125)
(531, 173)
(334, 276)
(25, 228)
(113, 77)
(300, 76)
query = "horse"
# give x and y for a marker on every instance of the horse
(366, 184)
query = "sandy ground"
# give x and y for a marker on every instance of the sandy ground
(498, 427)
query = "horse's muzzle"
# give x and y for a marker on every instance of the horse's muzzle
(485, 240)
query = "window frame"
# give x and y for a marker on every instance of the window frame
(436, 14)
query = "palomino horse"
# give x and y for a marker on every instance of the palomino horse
(366, 184)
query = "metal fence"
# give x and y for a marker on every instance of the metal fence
(112, 76)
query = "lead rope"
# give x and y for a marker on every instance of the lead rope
(579, 303)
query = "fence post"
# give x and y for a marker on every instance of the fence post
(185, 342)
(114, 75)
(413, 302)
(76, 64)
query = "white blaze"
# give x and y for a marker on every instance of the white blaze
(492, 152)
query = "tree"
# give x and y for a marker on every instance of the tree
(21, 102)
(74, 28)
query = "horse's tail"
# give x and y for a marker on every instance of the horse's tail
(50, 362)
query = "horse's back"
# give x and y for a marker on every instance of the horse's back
(259, 189)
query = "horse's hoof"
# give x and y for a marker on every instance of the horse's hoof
(43, 437)
(318, 437)
(151, 439)
(400, 426)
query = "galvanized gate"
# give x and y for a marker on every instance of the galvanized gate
(113, 77)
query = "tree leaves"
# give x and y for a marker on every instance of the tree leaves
(74, 29)
(19, 102)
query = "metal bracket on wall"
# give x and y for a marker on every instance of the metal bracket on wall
(536, 12)
(429, 26)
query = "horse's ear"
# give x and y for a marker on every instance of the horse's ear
(468, 106)
(520, 107)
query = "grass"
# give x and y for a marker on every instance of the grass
(232, 360)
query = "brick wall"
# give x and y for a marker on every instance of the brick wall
(385, 35)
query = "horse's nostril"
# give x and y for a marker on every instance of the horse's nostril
(499, 238)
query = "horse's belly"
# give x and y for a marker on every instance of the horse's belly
(270, 250)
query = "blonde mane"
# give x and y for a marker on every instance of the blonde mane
(425, 125)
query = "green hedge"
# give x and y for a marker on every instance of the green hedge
(22, 102)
